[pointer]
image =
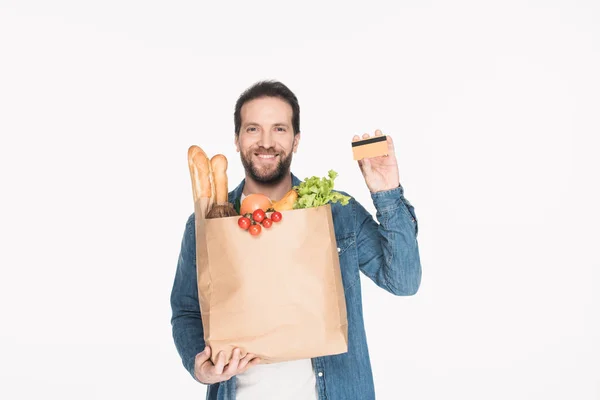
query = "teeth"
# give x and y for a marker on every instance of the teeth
(265, 156)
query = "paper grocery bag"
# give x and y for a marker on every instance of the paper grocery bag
(278, 295)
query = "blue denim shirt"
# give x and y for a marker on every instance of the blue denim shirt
(387, 252)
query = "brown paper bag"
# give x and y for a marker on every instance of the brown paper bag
(278, 295)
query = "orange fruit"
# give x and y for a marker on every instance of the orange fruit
(254, 202)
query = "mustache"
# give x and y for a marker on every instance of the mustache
(265, 152)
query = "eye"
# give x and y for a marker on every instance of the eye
(251, 129)
(280, 129)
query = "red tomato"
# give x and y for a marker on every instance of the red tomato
(253, 202)
(254, 229)
(267, 222)
(276, 216)
(244, 223)
(258, 215)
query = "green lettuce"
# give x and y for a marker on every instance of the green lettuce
(315, 192)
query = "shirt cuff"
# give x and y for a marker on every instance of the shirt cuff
(388, 200)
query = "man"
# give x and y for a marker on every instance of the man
(267, 134)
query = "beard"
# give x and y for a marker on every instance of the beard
(269, 174)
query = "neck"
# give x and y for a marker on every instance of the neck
(274, 191)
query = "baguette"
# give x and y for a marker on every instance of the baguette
(200, 172)
(219, 169)
(221, 208)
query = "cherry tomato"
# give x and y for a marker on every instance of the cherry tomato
(258, 215)
(276, 216)
(254, 229)
(267, 222)
(244, 223)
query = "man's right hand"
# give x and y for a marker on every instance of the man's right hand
(209, 373)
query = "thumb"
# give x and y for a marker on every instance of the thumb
(366, 166)
(203, 356)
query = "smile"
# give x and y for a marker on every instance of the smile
(266, 156)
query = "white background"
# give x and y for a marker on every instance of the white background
(494, 110)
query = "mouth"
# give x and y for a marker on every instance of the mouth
(266, 157)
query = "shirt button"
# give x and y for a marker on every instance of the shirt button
(320, 374)
(339, 249)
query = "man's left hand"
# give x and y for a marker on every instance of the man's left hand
(380, 173)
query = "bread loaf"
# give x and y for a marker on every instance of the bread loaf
(221, 207)
(200, 172)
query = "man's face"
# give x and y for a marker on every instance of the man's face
(266, 140)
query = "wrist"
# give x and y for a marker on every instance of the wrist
(386, 189)
(388, 200)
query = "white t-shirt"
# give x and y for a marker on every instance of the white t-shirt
(290, 380)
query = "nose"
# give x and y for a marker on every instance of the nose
(266, 139)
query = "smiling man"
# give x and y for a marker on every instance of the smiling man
(267, 134)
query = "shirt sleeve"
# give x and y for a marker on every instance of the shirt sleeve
(186, 320)
(388, 250)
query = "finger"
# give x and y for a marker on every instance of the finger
(254, 362)
(366, 167)
(366, 136)
(200, 363)
(203, 356)
(390, 143)
(378, 133)
(220, 363)
(355, 138)
(233, 363)
(245, 360)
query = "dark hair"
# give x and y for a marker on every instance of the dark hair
(267, 89)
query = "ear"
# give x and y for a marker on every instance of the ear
(296, 142)
(236, 141)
